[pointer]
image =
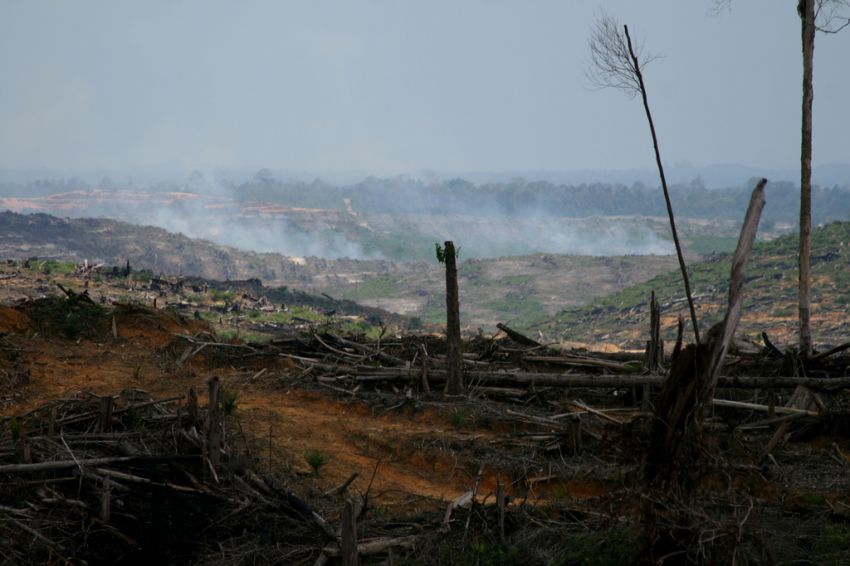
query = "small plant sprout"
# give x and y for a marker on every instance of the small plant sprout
(230, 400)
(459, 418)
(316, 459)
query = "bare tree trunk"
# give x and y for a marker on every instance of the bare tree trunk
(454, 384)
(679, 254)
(805, 283)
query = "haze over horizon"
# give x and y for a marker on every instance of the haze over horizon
(389, 88)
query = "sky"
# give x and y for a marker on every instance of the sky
(396, 86)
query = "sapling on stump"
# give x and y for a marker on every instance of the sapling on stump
(454, 382)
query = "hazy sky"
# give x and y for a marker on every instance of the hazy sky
(396, 86)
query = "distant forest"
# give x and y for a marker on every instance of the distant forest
(518, 197)
(514, 198)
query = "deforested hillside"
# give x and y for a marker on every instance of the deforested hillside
(770, 303)
(158, 250)
(515, 289)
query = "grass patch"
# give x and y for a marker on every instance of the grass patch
(54, 267)
(517, 280)
(375, 288)
(518, 309)
(218, 295)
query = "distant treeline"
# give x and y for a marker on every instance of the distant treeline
(517, 197)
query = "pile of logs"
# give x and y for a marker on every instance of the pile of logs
(134, 479)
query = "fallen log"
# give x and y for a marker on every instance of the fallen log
(371, 352)
(580, 361)
(595, 380)
(763, 408)
(375, 546)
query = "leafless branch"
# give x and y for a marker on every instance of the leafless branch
(611, 65)
(832, 16)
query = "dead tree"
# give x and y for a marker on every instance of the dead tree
(448, 256)
(689, 389)
(616, 63)
(654, 356)
(827, 17)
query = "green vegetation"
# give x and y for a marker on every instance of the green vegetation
(460, 418)
(517, 280)
(618, 545)
(53, 267)
(71, 317)
(833, 546)
(520, 310)
(489, 554)
(375, 288)
(143, 275)
(708, 244)
(771, 279)
(402, 245)
(315, 459)
(218, 295)
(229, 402)
(17, 429)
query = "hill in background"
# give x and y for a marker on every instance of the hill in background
(770, 297)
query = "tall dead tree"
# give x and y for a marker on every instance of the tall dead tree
(806, 9)
(454, 383)
(615, 63)
(828, 17)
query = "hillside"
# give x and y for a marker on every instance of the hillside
(238, 308)
(622, 318)
(147, 247)
(516, 290)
